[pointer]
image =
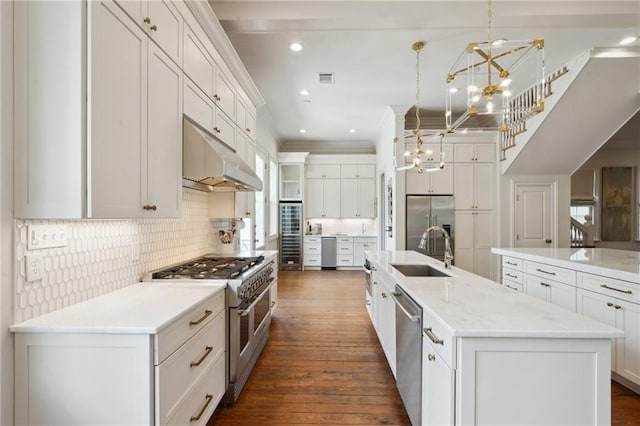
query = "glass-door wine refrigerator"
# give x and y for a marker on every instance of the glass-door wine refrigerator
(291, 236)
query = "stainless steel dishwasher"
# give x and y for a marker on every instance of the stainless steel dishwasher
(409, 353)
(329, 253)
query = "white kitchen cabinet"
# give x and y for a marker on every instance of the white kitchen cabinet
(245, 202)
(323, 198)
(161, 21)
(164, 368)
(438, 387)
(474, 238)
(358, 171)
(246, 118)
(385, 317)
(291, 181)
(431, 183)
(357, 197)
(474, 152)
(360, 245)
(474, 186)
(512, 276)
(551, 291)
(320, 171)
(203, 111)
(135, 128)
(312, 250)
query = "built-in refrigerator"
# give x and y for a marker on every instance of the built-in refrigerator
(290, 236)
(424, 211)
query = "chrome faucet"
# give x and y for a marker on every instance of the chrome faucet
(448, 256)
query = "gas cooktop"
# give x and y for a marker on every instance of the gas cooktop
(209, 267)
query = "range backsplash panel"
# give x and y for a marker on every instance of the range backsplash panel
(104, 255)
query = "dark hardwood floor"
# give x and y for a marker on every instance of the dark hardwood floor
(323, 363)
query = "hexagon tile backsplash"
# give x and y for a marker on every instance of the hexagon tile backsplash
(104, 255)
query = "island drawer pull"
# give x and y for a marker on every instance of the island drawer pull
(429, 332)
(510, 275)
(512, 288)
(195, 418)
(545, 272)
(545, 284)
(207, 351)
(510, 263)
(616, 289)
(196, 322)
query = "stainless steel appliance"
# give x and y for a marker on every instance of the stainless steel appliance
(424, 211)
(329, 253)
(249, 281)
(409, 354)
(291, 236)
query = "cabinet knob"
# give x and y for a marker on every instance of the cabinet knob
(431, 357)
(150, 207)
(215, 129)
(154, 28)
(548, 241)
(384, 296)
(147, 20)
(248, 129)
(216, 97)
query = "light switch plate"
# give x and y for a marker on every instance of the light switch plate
(46, 236)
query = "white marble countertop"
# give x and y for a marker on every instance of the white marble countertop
(473, 306)
(616, 264)
(143, 308)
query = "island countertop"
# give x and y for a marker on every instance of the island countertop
(618, 264)
(473, 306)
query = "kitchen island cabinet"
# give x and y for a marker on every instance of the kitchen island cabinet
(603, 284)
(498, 356)
(150, 353)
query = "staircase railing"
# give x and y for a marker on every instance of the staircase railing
(524, 106)
(578, 233)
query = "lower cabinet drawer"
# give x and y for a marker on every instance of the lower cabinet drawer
(566, 276)
(513, 285)
(344, 260)
(313, 248)
(181, 330)
(342, 248)
(312, 260)
(441, 338)
(198, 404)
(178, 373)
(511, 275)
(619, 289)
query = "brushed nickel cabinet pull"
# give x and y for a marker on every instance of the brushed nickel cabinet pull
(207, 351)
(616, 289)
(545, 272)
(511, 275)
(609, 304)
(545, 284)
(204, 317)
(617, 306)
(512, 288)
(510, 263)
(429, 332)
(195, 418)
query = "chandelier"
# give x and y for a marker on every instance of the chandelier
(484, 72)
(415, 137)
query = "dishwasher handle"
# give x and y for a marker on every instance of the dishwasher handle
(412, 318)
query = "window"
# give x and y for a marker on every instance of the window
(261, 218)
(273, 199)
(579, 211)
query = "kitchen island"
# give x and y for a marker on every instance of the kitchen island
(491, 355)
(599, 283)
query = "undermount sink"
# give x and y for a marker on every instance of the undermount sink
(419, 271)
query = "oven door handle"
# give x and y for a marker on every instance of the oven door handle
(245, 312)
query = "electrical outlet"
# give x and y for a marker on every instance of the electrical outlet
(34, 265)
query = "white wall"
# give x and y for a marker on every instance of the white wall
(612, 157)
(6, 211)
(267, 141)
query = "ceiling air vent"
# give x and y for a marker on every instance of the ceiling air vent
(326, 78)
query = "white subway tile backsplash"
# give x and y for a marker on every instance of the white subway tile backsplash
(104, 255)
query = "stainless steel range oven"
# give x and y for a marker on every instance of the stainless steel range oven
(249, 281)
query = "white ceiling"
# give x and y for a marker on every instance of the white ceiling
(368, 46)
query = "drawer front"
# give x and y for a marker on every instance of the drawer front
(309, 240)
(202, 399)
(312, 260)
(511, 263)
(344, 240)
(365, 240)
(181, 330)
(343, 248)
(440, 336)
(178, 373)
(312, 248)
(618, 289)
(513, 285)
(512, 275)
(566, 276)
(344, 260)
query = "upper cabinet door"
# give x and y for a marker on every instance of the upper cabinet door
(225, 96)
(198, 65)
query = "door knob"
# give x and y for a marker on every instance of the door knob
(547, 241)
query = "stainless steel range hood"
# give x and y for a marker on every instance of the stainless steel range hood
(209, 164)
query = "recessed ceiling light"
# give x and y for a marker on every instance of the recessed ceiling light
(628, 40)
(453, 90)
(352, 130)
(303, 131)
(304, 92)
(296, 47)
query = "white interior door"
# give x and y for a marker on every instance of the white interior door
(534, 207)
